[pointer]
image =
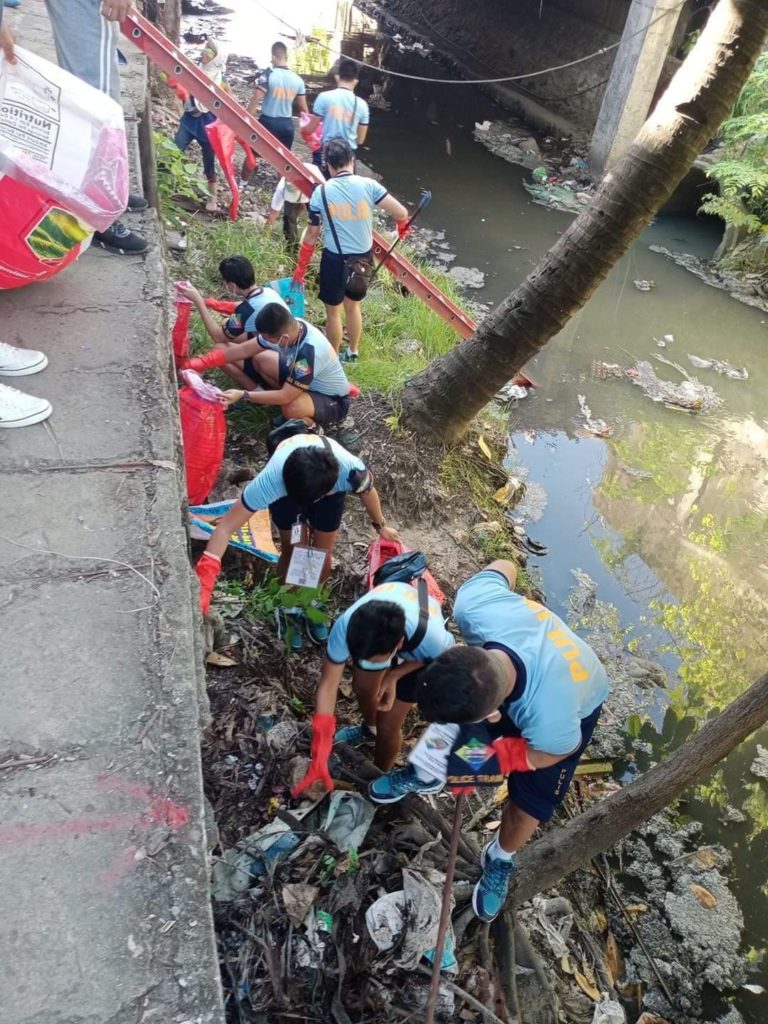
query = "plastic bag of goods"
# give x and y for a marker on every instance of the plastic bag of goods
(203, 432)
(63, 167)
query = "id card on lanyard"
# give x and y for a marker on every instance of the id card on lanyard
(306, 567)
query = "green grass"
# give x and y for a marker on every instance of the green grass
(389, 318)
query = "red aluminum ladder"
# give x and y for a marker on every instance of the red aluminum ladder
(169, 58)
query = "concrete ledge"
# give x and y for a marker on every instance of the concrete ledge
(105, 915)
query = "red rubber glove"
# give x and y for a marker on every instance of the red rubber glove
(221, 305)
(302, 264)
(323, 728)
(216, 357)
(178, 88)
(403, 229)
(208, 568)
(512, 754)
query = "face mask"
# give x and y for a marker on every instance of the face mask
(374, 666)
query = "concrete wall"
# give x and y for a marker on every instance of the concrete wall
(526, 35)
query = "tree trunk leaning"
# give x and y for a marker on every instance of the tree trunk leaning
(547, 860)
(446, 396)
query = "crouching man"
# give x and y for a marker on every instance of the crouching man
(391, 634)
(304, 485)
(540, 688)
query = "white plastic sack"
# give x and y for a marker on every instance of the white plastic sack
(63, 138)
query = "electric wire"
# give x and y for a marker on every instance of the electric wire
(478, 81)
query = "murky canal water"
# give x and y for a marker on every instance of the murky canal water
(668, 514)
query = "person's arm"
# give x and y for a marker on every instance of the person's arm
(215, 331)
(6, 40)
(301, 103)
(282, 396)
(393, 207)
(278, 202)
(388, 689)
(229, 523)
(257, 97)
(372, 506)
(311, 234)
(362, 132)
(115, 10)
(328, 688)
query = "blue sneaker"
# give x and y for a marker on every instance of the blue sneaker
(354, 735)
(318, 631)
(290, 622)
(393, 786)
(490, 893)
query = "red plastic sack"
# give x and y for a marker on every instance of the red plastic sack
(203, 433)
(39, 237)
(180, 333)
(224, 140)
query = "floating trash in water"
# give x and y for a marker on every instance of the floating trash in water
(644, 286)
(597, 427)
(689, 395)
(667, 339)
(719, 366)
(602, 370)
(511, 391)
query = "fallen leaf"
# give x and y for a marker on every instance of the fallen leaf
(651, 1018)
(756, 990)
(482, 444)
(490, 826)
(586, 986)
(220, 660)
(565, 964)
(600, 920)
(637, 908)
(704, 896)
(297, 899)
(504, 494)
(613, 959)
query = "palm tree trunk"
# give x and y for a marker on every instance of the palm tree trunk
(451, 391)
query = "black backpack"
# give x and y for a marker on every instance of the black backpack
(405, 568)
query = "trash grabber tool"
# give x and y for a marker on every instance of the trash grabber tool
(445, 909)
(425, 200)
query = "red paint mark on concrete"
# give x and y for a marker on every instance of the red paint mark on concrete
(157, 811)
(18, 835)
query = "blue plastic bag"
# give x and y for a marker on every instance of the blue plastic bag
(291, 294)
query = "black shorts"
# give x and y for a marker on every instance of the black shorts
(324, 515)
(329, 409)
(332, 273)
(540, 793)
(286, 363)
(406, 685)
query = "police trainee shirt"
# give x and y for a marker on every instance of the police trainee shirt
(341, 112)
(436, 639)
(563, 679)
(268, 487)
(282, 86)
(351, 199)
(315, 364)
(243, 320)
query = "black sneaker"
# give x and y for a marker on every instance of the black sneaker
(136, 203)
(118, 238)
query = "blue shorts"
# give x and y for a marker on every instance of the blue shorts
(280, 127)
(540, 793)
(333, 272)
(324, 515)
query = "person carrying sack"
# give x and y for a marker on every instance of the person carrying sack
(343, 206)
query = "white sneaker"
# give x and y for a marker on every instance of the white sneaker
(20, 410)
(20, 362)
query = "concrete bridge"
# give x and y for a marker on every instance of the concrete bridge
(606, 98)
